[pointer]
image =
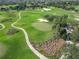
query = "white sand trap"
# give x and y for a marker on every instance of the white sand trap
(46, 9)
(77, 44)
(69, 42)
(42, 26)
(77, 19)
(42, 20)
(2, 50)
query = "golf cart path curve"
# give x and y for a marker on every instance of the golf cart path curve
(2, 26)
(41, 56)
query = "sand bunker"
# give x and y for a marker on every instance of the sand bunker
(42, 20)
(46, 9)
(2, 50)
(77, 19)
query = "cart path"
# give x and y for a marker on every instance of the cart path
(2, 26)
(41, 56)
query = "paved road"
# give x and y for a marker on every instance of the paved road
(41, 56)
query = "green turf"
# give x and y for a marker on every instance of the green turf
(42, 26)
(17, 47)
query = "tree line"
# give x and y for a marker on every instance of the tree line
(64, 29)
(68, 5)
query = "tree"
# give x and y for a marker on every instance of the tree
(59, 22)
(72, 52)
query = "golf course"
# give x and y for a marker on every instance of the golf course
(21, 31)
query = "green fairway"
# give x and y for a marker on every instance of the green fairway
(30, 16)
(15, 44)
(37, 32)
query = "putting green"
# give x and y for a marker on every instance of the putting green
(42, 26)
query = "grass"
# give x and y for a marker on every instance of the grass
(30, 16)
(17, 47)
(42, 26)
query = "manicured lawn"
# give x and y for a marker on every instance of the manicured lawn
(17, 47)
(42, 26)
(30, 16)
